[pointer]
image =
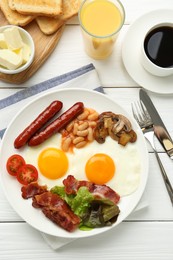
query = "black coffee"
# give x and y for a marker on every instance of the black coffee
(158, 46)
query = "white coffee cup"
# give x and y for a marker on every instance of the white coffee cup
(155, 58)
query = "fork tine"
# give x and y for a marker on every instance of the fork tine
(137, 111)
(140, 111)
(141, 114)
(134, 113)
(145, 111)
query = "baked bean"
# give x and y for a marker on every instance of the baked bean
(66, 144)
(75, 128)
(91, 110)
(93, 116)
(83, 126)
(84, 115)
(92, 123)
(78, 139)
(70, 126)
(81, 144)
(81, 130)
(90, 136)
(82, 133)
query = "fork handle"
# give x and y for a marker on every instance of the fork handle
(165, 177)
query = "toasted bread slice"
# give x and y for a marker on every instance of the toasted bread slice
(11, 4)
(38, 7)
(50, 25)
(14, 17)
(70, 8)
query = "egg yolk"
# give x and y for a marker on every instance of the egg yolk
(100, 168)
(53, 163)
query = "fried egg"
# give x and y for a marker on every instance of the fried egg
(52, 163)
(100, 168)
(108, 163)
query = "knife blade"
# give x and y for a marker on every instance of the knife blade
(159, 128)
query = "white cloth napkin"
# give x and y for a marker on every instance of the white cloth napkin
(57, 242)
(84, 77)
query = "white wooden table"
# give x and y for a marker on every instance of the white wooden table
(146, 234)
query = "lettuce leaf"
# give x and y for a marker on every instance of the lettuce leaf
(82, 201)
(103, 212)
(79, 203)
(60, 190)
(94, 212)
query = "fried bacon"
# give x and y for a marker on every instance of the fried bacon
(32, 189)
(101, 191)
(57, 210)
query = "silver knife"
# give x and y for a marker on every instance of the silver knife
(158, 125)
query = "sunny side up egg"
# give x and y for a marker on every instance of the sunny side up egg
(116, 166)
(53, 163)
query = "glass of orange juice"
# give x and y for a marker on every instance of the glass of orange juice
(101, 21)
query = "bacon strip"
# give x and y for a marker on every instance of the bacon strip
(57, 210)
(32, 189)
(72, 185)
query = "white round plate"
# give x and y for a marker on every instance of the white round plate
(12, 188)
(131, 52)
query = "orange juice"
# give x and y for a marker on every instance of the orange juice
(100, 21)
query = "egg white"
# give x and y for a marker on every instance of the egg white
(127, 161)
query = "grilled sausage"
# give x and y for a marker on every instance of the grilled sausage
(39, 122)
(57, 124)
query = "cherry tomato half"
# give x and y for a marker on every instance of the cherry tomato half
(27, 174)
(14, 162)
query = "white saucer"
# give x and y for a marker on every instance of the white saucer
(131, 52)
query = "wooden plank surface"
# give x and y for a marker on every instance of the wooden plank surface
(44, 46)
(130, 240)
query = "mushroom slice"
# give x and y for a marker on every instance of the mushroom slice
(117, 126)
(133, 136)
(123, 122)
(100, 132)
(124, 138)
(113, 134)
(127, 137)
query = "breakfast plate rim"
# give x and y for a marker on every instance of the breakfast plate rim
(76, 94)
(131, 48)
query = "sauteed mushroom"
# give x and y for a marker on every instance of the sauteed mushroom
(100, 132)
(117, 126)
(122, 122)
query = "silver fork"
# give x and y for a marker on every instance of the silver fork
(143, 118)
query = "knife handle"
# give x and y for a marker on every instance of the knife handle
(165, 139)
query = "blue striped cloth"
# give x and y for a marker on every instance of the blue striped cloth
(84, 77)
